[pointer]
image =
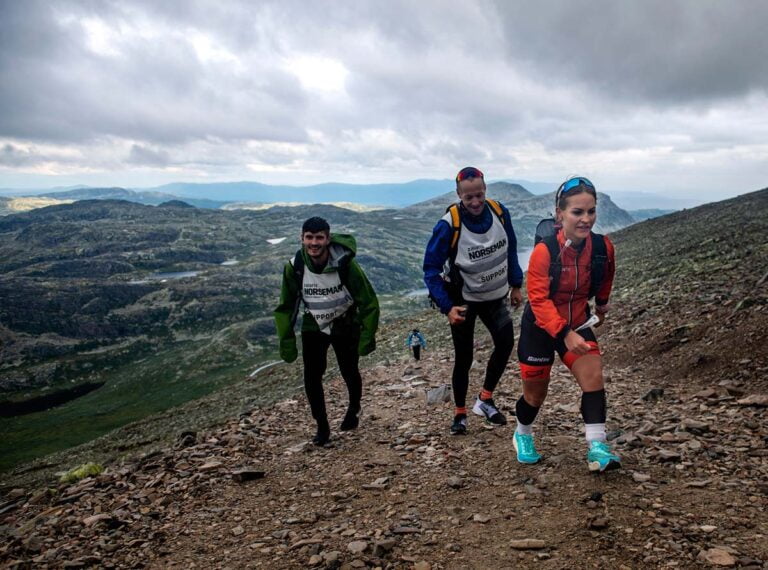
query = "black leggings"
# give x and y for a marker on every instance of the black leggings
(417, 351)
(497, 318)
(314, 353)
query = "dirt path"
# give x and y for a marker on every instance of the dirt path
(400, 492)
(461, 501)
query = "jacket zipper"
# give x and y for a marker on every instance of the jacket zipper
(575, 287)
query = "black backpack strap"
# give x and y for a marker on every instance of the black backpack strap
(343, 270)
(597, 263)
(555, 264)
(298, 270)
(298, 274)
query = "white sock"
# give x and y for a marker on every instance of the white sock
(594, 432)
(523, 429)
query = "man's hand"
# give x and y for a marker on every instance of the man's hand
(457, 315)
(515, 297)
(288, 351)
(366, 348)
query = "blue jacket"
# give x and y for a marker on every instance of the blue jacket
(439, 249)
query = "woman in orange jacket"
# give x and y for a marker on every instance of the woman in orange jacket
(564, 272)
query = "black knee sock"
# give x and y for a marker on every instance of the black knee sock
(593, 407)
(525, 413)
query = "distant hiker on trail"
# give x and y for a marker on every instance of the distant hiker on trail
(566, 269)
(340, 310)
(471, 270)
(416, 342)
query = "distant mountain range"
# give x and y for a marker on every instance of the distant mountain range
(526, 208)
(649, 213)
(394, 195)
(146, 197)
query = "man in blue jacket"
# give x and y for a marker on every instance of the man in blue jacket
(416, 342)
(475, 247)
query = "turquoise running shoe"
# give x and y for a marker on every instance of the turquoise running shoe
(601, 458)
(526, 451)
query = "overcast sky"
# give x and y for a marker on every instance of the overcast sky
(660, 95)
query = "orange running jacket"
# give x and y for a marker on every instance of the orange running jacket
(569, 305)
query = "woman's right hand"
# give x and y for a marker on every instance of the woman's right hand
(576, 344)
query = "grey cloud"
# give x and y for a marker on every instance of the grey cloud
(14, 157)
(668, 51)
(54, 88)
(147, 157)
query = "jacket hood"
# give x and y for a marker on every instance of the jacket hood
(346, 241)
(342, 249)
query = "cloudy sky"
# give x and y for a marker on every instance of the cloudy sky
(661, 95)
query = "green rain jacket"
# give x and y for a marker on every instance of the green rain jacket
(362, 317)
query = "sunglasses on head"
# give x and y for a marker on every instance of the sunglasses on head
(572, 183)
(468, 172)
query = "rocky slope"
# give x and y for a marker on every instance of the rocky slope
(686, 373)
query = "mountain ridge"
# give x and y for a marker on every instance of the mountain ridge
(372, 194)
(393, 194)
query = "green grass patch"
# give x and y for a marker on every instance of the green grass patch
(154, 383)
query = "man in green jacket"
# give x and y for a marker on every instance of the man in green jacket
(340, 310)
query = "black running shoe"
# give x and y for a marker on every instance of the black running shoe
(322, 437)
(488, 409)
(459, 425)
(351, 418)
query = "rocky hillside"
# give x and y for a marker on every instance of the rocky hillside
(82, 275)
(686, 376)
(14, 205)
